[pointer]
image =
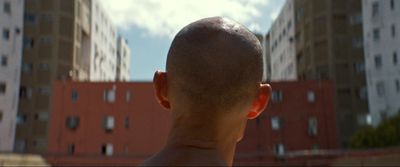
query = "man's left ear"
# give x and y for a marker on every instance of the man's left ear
(161, 89)
(260, 102)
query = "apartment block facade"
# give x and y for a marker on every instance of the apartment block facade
(123, 60)
(121, 123)
(299, 118)
(266, 58)
(329, 45)
(103, 55)
(63, 40)
(105, 122)
(11, 27)
(282, 45)
(382, 49)
(56, 35)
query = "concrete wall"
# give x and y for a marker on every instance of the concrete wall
(104, 45)
(10, 68)
(282, 45)
(123, 60)
(387, 47)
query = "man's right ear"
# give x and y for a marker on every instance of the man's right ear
(260, 102)
(161, 89)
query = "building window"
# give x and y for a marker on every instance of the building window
(395, 58)
(276, 96)
(46, 40)
(392, 4)
(108, 123)
(126, 122)
(107, 149)
(25, 93)
(375, 9)
(21, 118)
(312, 126)
(397, 84)
(4, 61)
(1, 115)
(378, 61)
(128, 96)
(393, 30)
(311, 96)
(363, 93)
(28, 43)
(109, 95)
(45, 91)
(74, 95)
(3, 88)
(357, 43)
(71, 149)
(27, 67)
(72, 122)
(19, 145)
(279, 149)
(275, 123)
(355, 18)
(44, 66)
(376, 34)
(364, 119)
(359, 67)
(380, 89)
(29, 18)
(40, 143)
(42, 116)
(7, 7)
(6, 34)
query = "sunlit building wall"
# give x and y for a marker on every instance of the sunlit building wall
(11, 27)
(382, 49)
(123, 60)
(282, 45)
(103, 56)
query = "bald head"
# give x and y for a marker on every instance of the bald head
(215, 63)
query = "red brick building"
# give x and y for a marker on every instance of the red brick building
(299, 117)
(105, 123)
(122, 124)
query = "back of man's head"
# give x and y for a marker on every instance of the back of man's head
(214, 64)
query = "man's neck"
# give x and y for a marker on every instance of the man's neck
(182, 137)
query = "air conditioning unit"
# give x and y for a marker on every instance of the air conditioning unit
(72, 122)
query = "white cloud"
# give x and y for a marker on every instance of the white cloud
(167, 17)
(274, 14)
(254, 27)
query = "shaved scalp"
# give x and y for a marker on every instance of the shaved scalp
(215, 63)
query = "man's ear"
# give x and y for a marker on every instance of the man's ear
(161, 89)
(260, 102)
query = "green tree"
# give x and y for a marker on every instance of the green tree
(386, 134)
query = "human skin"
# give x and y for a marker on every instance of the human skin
(212, 87)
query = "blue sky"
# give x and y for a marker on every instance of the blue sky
(150, 25)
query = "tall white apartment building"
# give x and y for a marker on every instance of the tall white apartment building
(382, 49)
(123, 60)
(103, 56)
(266, 58)
(282, 45)
(11, 27)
